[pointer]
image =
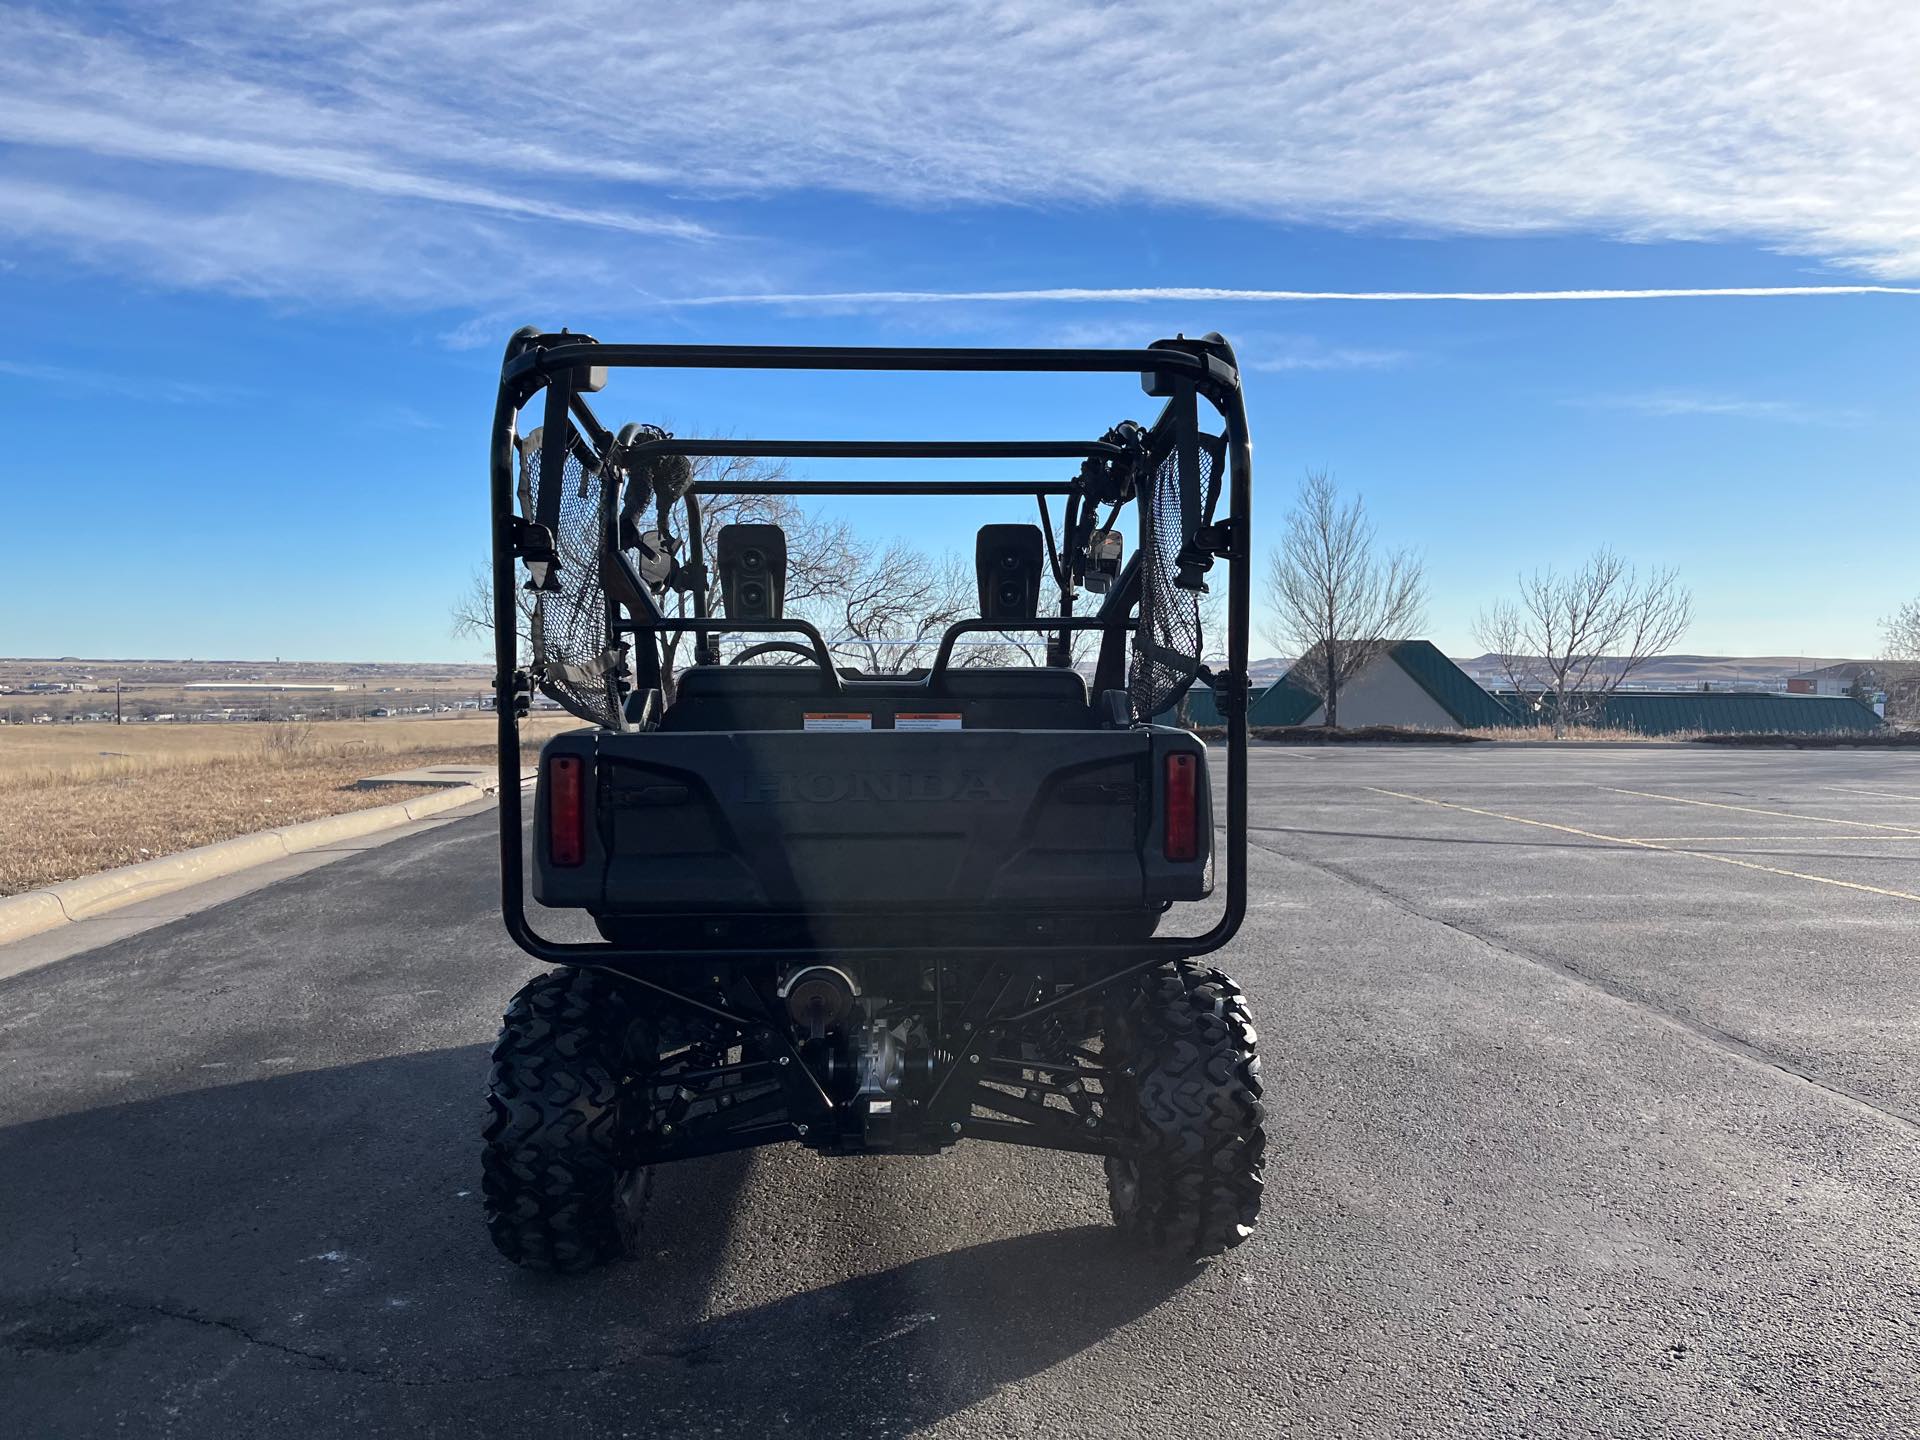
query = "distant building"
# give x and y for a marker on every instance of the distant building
(1414, 686)
(1869, 687)
(257, 685)
(1411, 685)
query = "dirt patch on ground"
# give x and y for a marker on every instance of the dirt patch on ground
(1361, 735)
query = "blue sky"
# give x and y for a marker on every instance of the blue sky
(257, 261)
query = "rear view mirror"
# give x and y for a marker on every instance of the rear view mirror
(1104, 548)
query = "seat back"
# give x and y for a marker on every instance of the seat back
(783, 697)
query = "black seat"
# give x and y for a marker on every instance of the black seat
(780, 697)
(1012, 682)
(708, 682)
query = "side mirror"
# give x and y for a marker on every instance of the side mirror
(1104, 548)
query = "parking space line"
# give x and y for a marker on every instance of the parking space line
(1824, 838)
(1777, 814)
(1890, 794)
(1652, 845)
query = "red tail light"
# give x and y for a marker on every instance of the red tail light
(566, 810)
(1182, 839)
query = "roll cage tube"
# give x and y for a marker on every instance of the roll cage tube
(534, 360)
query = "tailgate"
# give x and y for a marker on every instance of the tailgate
(783, 821)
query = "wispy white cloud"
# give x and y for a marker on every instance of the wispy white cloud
(479, 332)
(134, 387)
(1130, 296)
(25, 122)
(276, 242)
(1257, 349)
(399, 417)
(1737, 407)
(1312, 355)
(613, 133)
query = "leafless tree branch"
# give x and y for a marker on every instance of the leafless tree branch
(1900, 634)
(1336, 603)
(471, 614)
(894, 604)
(882, 607)
(820, 549)
(1900, 648)
(1574, 638)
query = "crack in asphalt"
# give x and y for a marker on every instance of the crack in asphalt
(333, 1364)
(1725, 1040)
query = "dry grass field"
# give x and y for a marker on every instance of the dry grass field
(1584, 732)
(75, 799)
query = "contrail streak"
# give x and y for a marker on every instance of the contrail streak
(1183, 292)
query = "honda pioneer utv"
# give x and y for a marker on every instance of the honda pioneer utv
(868, 912)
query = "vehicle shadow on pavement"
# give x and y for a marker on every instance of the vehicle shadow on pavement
(299, 1238)
(891, 1353)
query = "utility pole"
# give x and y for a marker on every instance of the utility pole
(116, 702)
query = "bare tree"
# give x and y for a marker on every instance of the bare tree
(881, 607)
(1213, 648)
(1572, 639)
(471, 614)
(1900, 634)
(1336, 604)
(821, 551)
(894, 604)
(1213, 627)
(1012, 647)
(1900, 647)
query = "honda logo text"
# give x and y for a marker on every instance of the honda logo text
(895, 785)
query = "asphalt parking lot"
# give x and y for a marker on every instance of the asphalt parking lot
(1593, 1077)
(1765, 899)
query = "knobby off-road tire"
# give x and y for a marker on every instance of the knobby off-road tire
(1193, 1109)
(561, 1193)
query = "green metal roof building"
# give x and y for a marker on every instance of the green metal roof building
(1719, 712)
(1415, 685)
(1412, 684)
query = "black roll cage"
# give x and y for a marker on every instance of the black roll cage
(565, 365)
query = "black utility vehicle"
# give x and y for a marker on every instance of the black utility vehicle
(869, 913)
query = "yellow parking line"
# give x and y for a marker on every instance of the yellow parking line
(1777, 814)
(1651, 845)
(1890, 794)
(1824, 838)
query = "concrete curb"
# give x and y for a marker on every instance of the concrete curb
(91, 895)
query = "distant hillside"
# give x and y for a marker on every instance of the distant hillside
(1689, 672)
(1692, 671)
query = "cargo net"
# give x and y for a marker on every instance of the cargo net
(1167, 646)
(573, 662)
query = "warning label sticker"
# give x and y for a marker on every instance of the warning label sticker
(927, 720)
(837, 720)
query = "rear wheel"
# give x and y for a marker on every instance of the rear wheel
(562, 1192)
(1190, 1106)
